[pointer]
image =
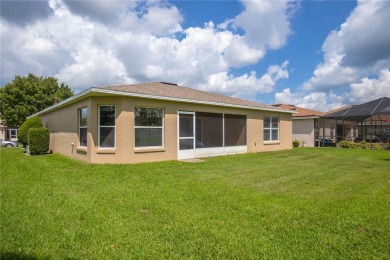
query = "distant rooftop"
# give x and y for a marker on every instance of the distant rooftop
(301, 112)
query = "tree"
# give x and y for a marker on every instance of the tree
(27, 95)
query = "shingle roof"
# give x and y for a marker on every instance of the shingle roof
(302, 112)
(164, 91)
(170, 90)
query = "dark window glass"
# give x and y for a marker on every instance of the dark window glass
(83, 113)
(148, 116)
(186, 127)
(83, 136)
(274, 134)
(267, 122)
(83, 116)
(275, 122)
(186, 144)
(209, 130)
(271, 128)
(107, 126)
(107, 137)
(107, 115)
(235, 130)
(267, 135)
(148, 126)
(145, 137)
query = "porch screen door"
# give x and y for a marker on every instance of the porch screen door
(186, 135)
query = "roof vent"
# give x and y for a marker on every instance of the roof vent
(168, 83)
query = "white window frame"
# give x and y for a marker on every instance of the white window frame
(154, 127)
(13, 133)
(99, 127)
(270, 128)
(82, 127)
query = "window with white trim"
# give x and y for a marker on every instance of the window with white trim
(148, 127)
(107, 126)
(271, 128)
(83, 114)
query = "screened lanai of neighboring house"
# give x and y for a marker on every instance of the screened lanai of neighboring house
(369, 121)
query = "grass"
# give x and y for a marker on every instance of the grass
(304, 203)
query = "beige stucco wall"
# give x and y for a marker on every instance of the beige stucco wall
(63, 128)
(303, 130)
(63, 125)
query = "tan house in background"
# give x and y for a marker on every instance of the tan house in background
(8, 133)
(305, 124)
(162, 121)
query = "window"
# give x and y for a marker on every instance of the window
(107, 126)
(271, 128)
(149, 127)
(83, 126)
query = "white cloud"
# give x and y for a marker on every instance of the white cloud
(92, 43)
(369, 89)
(102, 11)
(248, 85)
(22, 12)
(359, 48)
(320, 101)
(331, 75)
(239, 54)
(93, 65)
(162, 20)
(265, 23)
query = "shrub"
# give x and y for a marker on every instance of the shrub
(23, 130)
(354, 145)
(364, 145)
(344, 144)
(295, 143)
(38, 140)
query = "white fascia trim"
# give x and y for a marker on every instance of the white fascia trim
(307, 117)
(90, 91)
(132, 94)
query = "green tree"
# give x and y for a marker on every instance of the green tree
(27, 95)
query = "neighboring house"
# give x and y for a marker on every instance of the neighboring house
(8, 133)
(304, 124)
(3, 130)
(369, 121)
(162, 121)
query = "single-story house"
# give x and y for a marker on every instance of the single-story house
(8, 132)
(162, 121)
(369, 121)
(304, 124)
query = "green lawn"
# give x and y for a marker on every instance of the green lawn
(305, 203)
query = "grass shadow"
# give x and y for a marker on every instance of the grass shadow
(18, 256)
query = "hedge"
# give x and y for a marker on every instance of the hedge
(34, 121)
(38, 140)
(359, 145)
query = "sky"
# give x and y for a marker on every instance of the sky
(314, 54)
